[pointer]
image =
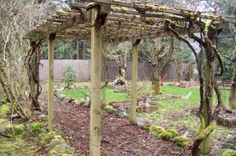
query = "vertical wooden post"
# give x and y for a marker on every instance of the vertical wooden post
(51, 81)
(99, 14)
(134, 79)
(96, 60)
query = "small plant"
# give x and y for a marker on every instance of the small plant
(70, 75)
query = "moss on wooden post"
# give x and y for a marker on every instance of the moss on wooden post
(98, 18)
(134, 78)
(51, 105)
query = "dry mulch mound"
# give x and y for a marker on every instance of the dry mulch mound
(119, 137)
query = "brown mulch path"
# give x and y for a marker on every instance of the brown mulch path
(119, 137)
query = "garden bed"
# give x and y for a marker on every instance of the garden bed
(119, 136)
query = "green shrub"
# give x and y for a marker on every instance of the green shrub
(37, 127)
(19, 129)
(70, 75)
(4, 110)
(15, 129)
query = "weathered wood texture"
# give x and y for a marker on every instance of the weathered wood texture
(124, 22)
(134, 79)
(96, 71)
(51, 104)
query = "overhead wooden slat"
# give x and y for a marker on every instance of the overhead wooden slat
(125, 20)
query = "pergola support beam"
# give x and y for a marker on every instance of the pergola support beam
(98, 16)
(134, 79)
(51, 105)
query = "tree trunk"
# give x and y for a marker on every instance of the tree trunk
(207, 107)
(178, 64)
(209, 86)
(156, 84)
(191, 68)
(33, 75)
(232, 98)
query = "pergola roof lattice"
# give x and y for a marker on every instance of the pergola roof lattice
(125, 21)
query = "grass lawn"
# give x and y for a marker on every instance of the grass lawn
(179, 113)
(108, 94)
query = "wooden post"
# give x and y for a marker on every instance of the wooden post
(134, 79)
(98, 17)
(51, 81)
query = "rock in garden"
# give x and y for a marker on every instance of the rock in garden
(122, 113)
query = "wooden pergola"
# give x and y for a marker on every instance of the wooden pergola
(107, 21)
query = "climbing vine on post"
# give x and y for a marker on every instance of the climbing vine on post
(32, 62)
(207, 41)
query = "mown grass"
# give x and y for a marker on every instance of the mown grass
(194, 99)
(107, 94)
(76, 94)
(179, 113)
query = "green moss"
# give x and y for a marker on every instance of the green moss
(4, 110)
(57, 140)
(182, 141)
(173, 132)
(109, 108)
(166, 135)
(37, 127)
(204, 133)
(9, 126)
(156, 130)
(62, 150)
(228, 152)
(59, 147)
(19, 129)
(56, 144)
(2, 121)
(15, 129)
(44, 137)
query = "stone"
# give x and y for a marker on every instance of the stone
(121, 113)
(13, 116)
(141, 122)
(43, 117)
(3, 125)
(77, 102)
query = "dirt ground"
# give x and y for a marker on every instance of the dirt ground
(119, 137)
